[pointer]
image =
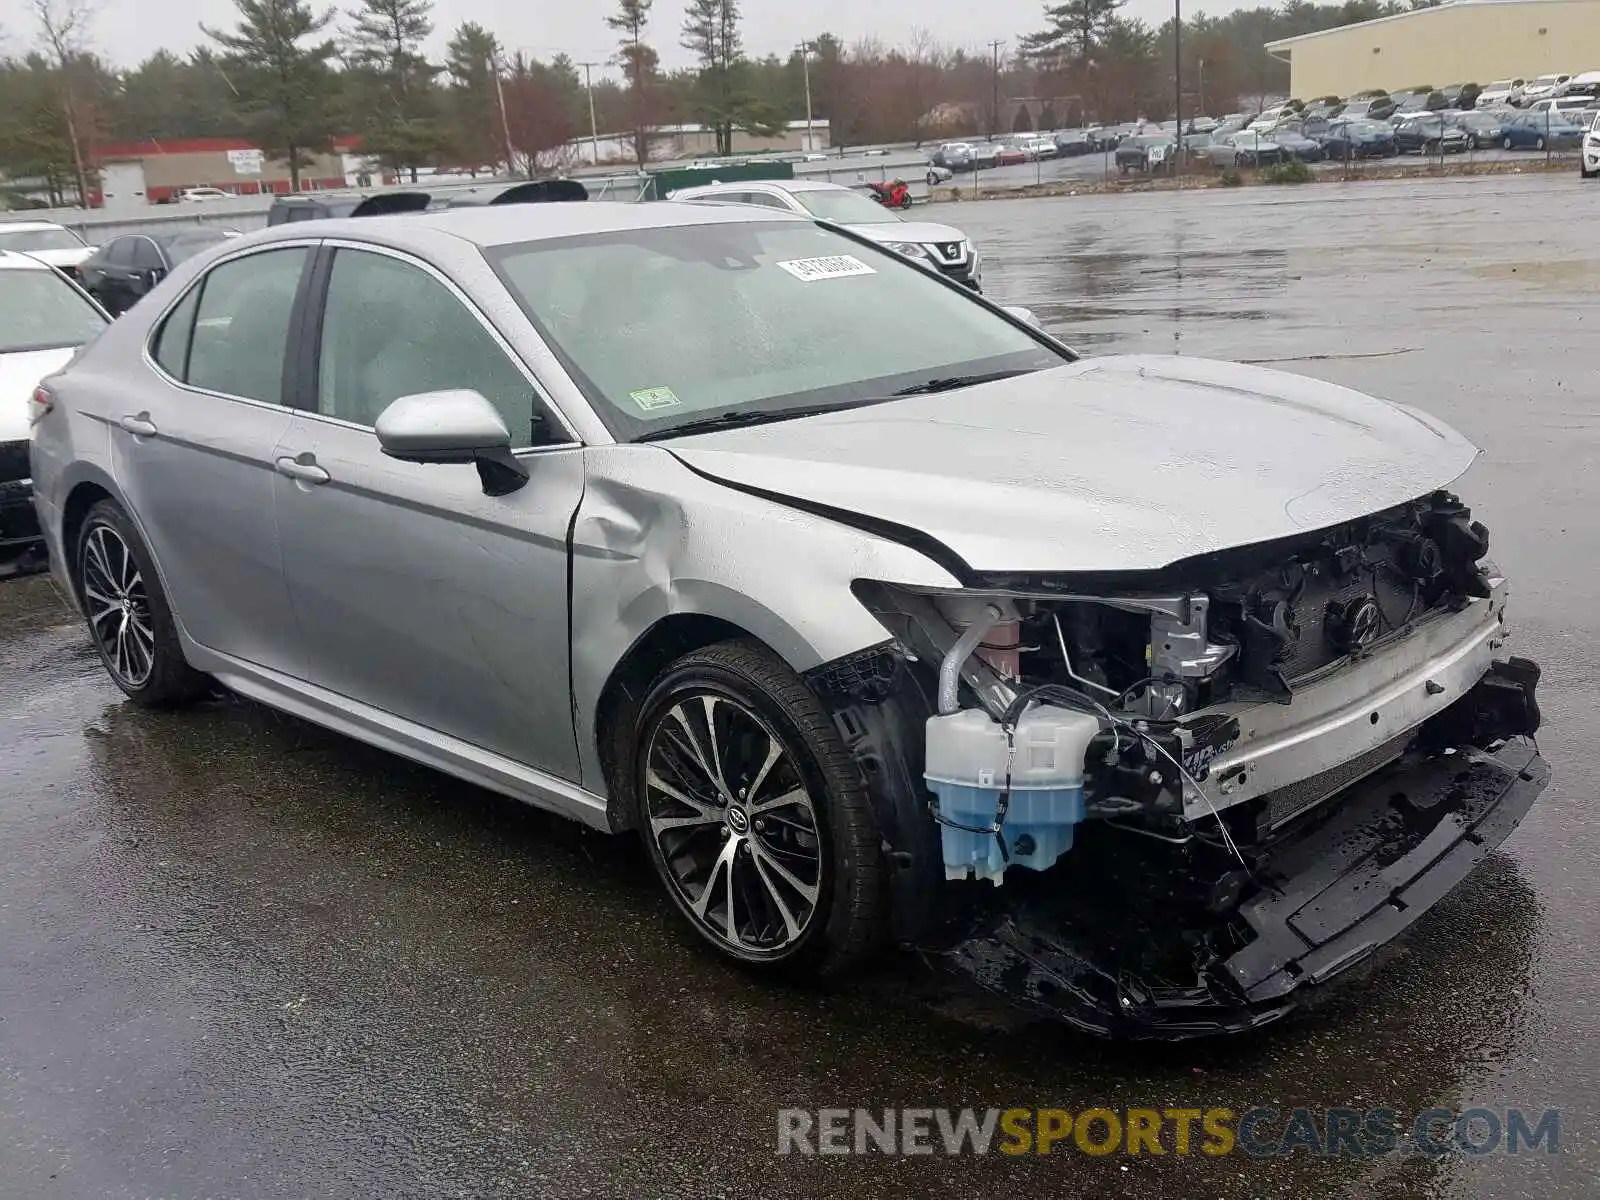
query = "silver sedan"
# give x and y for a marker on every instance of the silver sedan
(862, 599)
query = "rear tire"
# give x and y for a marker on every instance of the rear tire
(1505, 143)
(1539, 145)
(755, 816)
(129, 619)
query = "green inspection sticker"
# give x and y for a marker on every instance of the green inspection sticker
(650, 399)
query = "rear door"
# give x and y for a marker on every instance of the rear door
(414, 592)
(194, 452)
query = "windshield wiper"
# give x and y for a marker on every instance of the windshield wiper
(949, 383)
(738, 418)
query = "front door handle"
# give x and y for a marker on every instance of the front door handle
(304, 468)
(140, 426)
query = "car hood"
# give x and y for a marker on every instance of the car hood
(1124, 463)
(19, 375)
(921, 232)
(63, 258)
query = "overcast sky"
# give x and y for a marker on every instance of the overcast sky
(126, 31)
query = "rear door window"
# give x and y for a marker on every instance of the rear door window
(171, 345)
(241, 330)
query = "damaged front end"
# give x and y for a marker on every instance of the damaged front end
(1162, 805)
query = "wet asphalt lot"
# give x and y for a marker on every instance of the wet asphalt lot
(240, 957)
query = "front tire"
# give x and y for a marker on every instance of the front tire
(1505, 143)
(129, 619)
(755, 816)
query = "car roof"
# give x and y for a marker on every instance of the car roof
(29, 226)
(11, 260)
(511, 224)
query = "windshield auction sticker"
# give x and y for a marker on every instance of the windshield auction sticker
(835, 266)
(651, 399)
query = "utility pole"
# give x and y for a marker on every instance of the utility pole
(505, 122)
(594, 132)
(994, 111)
(1177, 89)
(805, 66)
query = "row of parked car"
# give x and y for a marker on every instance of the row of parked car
(1545, 112)
(1241, 141)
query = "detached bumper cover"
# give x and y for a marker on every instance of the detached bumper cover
(1328, 899)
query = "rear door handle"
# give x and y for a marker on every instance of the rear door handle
(304, 469)
(140, 426)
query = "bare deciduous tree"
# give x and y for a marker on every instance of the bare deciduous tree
(64, 36)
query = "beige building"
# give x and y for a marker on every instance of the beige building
(1461, 41)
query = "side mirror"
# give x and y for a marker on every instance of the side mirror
(457, 426)
(1024, 315)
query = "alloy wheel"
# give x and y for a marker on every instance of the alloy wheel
(733, 822)
(118, 607)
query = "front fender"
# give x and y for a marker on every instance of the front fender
(653, 539)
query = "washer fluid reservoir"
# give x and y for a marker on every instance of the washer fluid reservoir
(966, 768)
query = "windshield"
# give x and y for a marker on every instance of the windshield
(665, 326)
(845, 207)
(28, 240)
(41, 311)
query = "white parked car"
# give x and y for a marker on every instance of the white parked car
(48, 242)
(1499, 92)
(202, 195)
(44, 318)
(942, 247)
(1589, 158)
(1569, 105)
(1538, 88)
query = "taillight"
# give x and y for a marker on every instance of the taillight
(41, 404)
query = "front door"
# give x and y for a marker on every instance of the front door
(415, 592)
(208, 425)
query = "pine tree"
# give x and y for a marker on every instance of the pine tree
(723, 99)
(638, 61)
(476, 133)
(285, 84)
(392, 82)
(1073, 32)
